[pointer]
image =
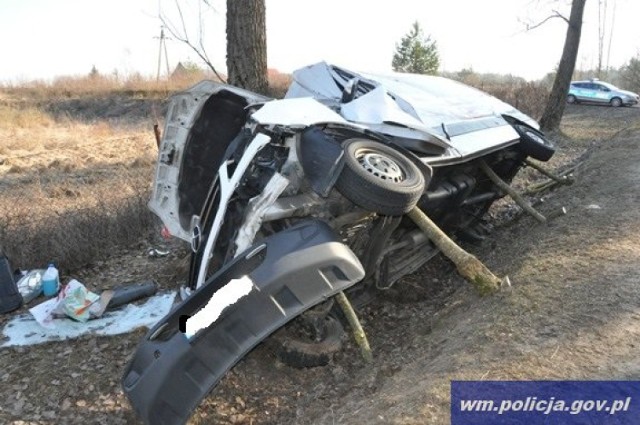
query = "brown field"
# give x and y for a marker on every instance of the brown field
(73, 180)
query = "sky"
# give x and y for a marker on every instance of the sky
(42, 39)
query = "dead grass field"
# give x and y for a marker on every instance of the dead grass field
(70, 188)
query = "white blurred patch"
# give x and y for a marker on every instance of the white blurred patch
(226, 296)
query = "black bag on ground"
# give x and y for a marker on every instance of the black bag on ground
(10, 298)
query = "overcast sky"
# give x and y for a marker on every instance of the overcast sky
(47, 38)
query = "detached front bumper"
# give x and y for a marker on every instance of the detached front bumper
(291, 271)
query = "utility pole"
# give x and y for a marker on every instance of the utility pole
(162, 46)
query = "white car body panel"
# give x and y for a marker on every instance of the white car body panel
(183, 111)
(228, 185)
(300, 113)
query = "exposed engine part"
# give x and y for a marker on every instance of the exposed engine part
(459, 185)
(255, 211)
(404, 261)
(483, 197)
(380, 235)
(291, 206)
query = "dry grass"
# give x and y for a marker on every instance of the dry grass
(530, 98)
(100, 85)
(133, 85)
(70, 191)
(278, 83)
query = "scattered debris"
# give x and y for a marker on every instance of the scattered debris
(74, 301)
(30, 285)
(125, 294)
(25, 330)
(157, 253)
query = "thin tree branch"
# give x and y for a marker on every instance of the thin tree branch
(183, 36)
(555, 14)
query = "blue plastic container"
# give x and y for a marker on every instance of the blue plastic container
(50, 281)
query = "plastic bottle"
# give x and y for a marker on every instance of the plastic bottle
(50, 281)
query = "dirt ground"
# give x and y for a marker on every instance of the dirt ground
(573, 311)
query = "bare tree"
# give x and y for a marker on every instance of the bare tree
(182, 34)
(247, 44)
(612, 26)
(557, 98)
(602, 30)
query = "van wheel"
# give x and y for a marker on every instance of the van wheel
(378, 178)
(534, 143)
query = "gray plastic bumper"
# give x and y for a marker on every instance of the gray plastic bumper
(291, 271)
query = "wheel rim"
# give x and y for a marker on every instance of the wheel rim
(571, 99)
(616, 102)
(380, 165)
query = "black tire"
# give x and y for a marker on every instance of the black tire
(572, 99)
(300, 353)
(616, 102)
(534, 143)
(378, 178)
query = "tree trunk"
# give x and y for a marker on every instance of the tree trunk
(247, 45)
(555, 105)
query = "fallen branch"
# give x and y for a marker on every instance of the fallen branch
(539, 187)
(504, 186)
(468, 265)
(560, 179)
(356, 327)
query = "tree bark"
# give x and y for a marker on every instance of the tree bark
(358, 333)
(555, 105)
(247, 44)
(467, 264)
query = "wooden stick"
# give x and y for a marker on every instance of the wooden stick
(358, 333)
(560, 179)
(504, 186)
(468, 265)
(156, 132)
(538, 187)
